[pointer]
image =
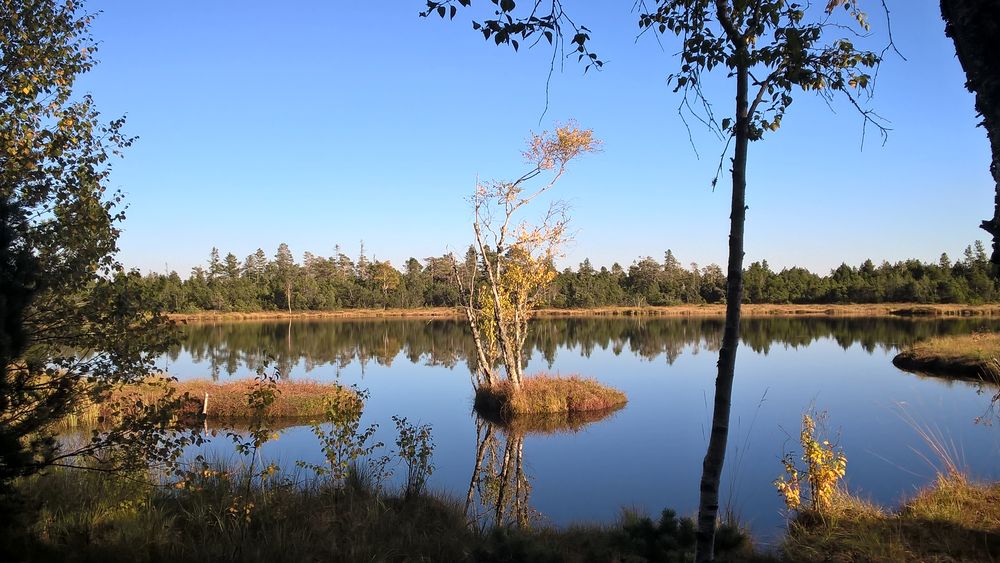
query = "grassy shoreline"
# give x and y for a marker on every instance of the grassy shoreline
(85, 516)
(967, 356)
(713, 310)
(953, 519)
(91, 516)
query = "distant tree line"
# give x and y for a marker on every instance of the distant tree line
(317, 283)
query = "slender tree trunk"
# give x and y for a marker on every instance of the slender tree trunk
(493, 274)
(708, 508)
(485, 372)
(974, 26)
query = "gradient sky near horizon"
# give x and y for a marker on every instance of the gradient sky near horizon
(324, 123)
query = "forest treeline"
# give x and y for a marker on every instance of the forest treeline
(260, 283)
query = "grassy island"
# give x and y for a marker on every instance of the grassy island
(969, 356)
(294, 400)
(545, 394)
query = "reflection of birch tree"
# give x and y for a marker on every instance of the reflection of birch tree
(499, 488)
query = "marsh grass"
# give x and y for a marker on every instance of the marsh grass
(967, 356)
(545, 394)
(77, 515)
(295, 400)
(74, 515)
(952, 520)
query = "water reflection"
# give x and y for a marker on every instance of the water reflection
(500, 488)
(649, 454)
(303, 346)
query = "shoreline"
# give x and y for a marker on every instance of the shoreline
(970, 357)
(901, 310)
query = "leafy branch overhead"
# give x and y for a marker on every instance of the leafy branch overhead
(545, 20)
(778, 41)
(781, 48)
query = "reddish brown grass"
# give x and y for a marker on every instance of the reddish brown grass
(548, 394)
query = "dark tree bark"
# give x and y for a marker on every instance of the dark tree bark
(715, 456)
(974, 26)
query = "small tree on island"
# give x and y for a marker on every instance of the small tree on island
(515, 259)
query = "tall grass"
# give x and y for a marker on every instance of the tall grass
(952, 520)
(76, 515)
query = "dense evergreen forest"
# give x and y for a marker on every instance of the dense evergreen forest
(261, 283)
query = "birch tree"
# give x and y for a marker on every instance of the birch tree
(515, 257)
(769, 49)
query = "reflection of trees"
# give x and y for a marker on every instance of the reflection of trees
(234, 346)
(499, 488)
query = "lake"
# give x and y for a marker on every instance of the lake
(647, 455)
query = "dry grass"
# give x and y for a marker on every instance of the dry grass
(89, 516)
(226, 401)
(954, 520)
(967, 355)
(544, 394)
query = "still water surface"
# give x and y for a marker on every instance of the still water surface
(647, 455)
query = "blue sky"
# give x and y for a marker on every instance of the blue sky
(324, 123)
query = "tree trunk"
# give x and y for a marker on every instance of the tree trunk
(708, 508)
(485, 371)
(974, 26)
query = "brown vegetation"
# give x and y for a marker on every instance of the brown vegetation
(226, 401)
(542, 394)
(971, 356)
(954, 520)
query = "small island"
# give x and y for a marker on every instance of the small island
(545, 394)
(967, 356)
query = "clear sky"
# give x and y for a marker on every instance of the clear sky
(324, 123)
